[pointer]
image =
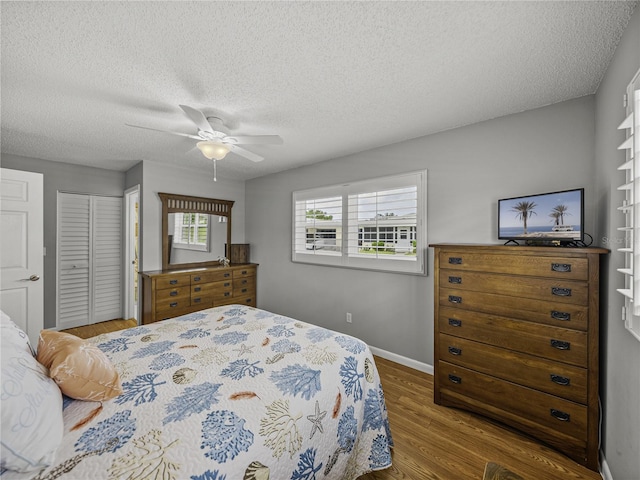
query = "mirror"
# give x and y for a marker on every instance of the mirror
(195, 230)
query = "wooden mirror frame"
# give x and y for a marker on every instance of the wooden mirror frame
(172, 203)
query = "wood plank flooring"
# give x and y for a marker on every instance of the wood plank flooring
(440, 443)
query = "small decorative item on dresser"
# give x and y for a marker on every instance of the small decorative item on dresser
(239, 253)
(224, 261)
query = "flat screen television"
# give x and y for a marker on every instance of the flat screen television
(555, 218)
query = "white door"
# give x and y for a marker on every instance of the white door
(132, 200)
(22, 250)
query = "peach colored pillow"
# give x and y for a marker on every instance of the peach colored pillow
(81, 370)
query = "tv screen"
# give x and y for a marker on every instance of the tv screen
(550, 217)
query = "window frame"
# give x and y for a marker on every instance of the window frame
(350, 234)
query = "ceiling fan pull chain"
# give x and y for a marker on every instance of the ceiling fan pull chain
(215, 173)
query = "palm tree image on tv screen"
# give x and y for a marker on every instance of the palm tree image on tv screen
(553, 215)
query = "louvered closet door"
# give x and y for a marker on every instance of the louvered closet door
(107, 258)
(74, 241)
(89, 259)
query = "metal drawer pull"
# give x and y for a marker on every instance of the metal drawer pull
(196, 279)
(226, 294)
(455, 323)
(197, 289)
(455, 299)
(564, 381)
(561, 292)
(455, 260)
(457, 280)
(556, 315)
(244, 281)
(173, 282)
(244, 272)
(244, 290)
(455, 351)
(197, 300)
(560, 415)
(227, 284)
(174, 304)
(173, 293)
(227, 275)
(455, 379)
(561, 267)
(560, 345)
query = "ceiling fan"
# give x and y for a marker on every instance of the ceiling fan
(213, 141)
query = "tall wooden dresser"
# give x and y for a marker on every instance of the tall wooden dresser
(516, 339)
(168, 294)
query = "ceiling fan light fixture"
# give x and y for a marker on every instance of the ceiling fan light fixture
(213, 150)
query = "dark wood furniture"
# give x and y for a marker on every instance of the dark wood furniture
(168, 294)
(516, 339)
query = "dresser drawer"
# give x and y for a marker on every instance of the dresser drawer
(172, 305)
(535, 339)
(533, 310)
(210, 288)
(554, 290)
(552, 377)
(211, 276)
(244, 272)
(202, 301)
(172, 281)
(249, 299)
(556, 413)
(171, 294)
(533, 265)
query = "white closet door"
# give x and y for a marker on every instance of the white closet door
(89, 259)
(74, 260)
(107, 258)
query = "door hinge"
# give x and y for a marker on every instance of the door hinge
(625, 100)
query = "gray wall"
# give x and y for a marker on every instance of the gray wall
(63, 177)
(620, 352)
(469, 169)
(162, 178)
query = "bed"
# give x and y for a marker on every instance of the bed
(228, 393)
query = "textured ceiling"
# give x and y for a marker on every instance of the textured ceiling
(331, 78)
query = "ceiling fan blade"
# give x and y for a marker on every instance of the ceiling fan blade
(165, 131)
(245, 153)
(255, 139)
(197, 117)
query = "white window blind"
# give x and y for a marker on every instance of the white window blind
(191, 231)
(377, 224)
(631, 208)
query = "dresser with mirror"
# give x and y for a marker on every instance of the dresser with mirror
(196, 234)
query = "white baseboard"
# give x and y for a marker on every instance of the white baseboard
(604, 467)
(407, 362)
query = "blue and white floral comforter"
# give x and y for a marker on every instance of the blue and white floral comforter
(231, 393)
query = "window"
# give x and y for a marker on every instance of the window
(377, 224)
(631, 208)
(191, 231)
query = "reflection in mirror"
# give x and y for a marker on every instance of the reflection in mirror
(196, 237)
(195, 230)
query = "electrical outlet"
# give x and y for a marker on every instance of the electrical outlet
(349, 319)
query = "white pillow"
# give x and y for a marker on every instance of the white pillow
(31, 405)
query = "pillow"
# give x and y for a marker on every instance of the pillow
(81, 370)
(30, 404)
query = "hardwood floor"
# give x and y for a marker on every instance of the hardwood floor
(439, 443)
(102, 327)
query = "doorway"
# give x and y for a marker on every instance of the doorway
(132, 259)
